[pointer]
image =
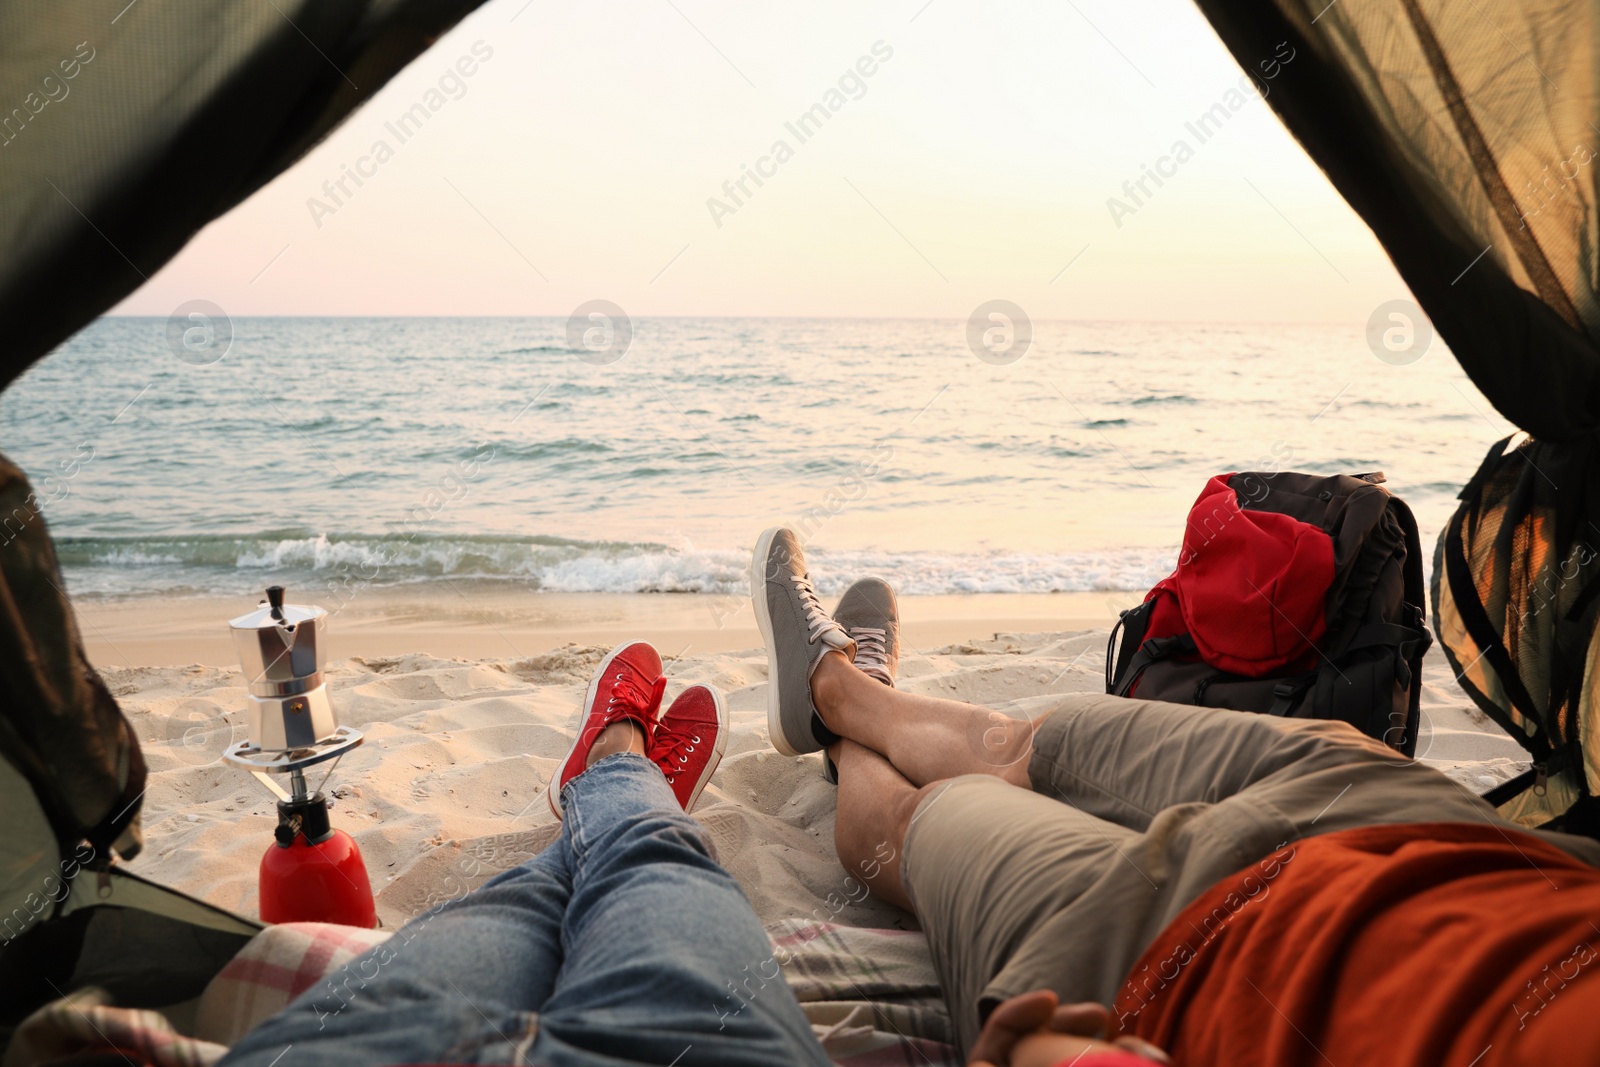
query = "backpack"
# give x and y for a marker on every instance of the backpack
(1516, 602)
(1294, 594)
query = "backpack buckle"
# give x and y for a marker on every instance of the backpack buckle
(1286, 696)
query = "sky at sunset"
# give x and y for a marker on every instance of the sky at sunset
(905, 159)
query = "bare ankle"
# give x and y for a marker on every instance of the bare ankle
(828, 684)
(624, 736)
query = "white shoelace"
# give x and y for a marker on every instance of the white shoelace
(872, 652)
(818, 620)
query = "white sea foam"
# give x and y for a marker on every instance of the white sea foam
(112, 566)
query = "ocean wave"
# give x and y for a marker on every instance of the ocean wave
(222, 564)
(565, 446)
(1174, 398)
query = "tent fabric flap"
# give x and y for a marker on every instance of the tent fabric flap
(60, 728)
(1466, 136)
(126, 127)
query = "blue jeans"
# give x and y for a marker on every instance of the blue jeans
(624, 942)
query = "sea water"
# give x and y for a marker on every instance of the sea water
(401, 450)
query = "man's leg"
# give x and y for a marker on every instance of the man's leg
(875, 806)
(1125, 761)
(1137, 808)
(982, 864)
(665, 962)
(926, 738)
(1129, 761)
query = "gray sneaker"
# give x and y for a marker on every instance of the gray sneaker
(798, 632)
(870, 614)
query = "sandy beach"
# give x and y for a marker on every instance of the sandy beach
(480, 620)
(468, 703)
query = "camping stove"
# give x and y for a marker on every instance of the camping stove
(312, 872)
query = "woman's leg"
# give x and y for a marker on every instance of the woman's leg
(460, 982)
(665, 962)
(464, 974)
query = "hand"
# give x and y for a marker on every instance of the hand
(1037, 1030)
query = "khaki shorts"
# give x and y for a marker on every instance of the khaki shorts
(1137, 808)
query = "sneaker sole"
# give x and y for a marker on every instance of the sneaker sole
(553, 792)
(717, 750)
(758, 600)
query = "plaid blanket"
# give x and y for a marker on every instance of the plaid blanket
(871, 996)
(83, 1021)
(276, 966)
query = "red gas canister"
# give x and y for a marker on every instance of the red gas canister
(312, 872)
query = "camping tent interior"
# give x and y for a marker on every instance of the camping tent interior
(1461, 133)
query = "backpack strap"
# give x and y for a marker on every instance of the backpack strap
(1411, 643)
(1512, 788)
(1131, 624)
(1198, 699)
(1111, 652)
(1287, 695)
(1469, 606)
(1390, 635)
(1416, 586)
(1153, 651)
(1464, 593)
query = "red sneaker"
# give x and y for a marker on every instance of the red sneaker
(690, 740)
(627, 685)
